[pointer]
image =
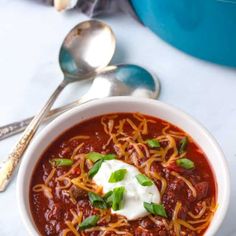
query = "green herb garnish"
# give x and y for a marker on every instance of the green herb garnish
(89, 222)
(117, 176)
(98, 158)
(183, 145)
(108, 198)
(114, 199)
(155, 209)
(109, 157)
(185, 163)
(117, 198)
(144, 180)
(94, 170)
(97, 201)
(95, 156)
(61, 162)
(153, 143)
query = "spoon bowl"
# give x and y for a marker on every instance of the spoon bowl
(123, 80)
(88, 47)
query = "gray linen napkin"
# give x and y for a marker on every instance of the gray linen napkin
(94, 7)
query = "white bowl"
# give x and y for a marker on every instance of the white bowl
(125, 104)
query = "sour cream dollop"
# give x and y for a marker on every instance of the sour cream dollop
(135, 194)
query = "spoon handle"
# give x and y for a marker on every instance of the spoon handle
(17, 127)
(8, 167)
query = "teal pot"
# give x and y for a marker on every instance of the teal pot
(202, 28)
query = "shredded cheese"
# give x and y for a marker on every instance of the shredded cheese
(78, 137)
(187, 182)
(76, 150)
(72, 228)
(177, 227)
(200, 214)
(44, 187)
(64, 179)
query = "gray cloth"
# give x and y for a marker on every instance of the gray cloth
(97, 7)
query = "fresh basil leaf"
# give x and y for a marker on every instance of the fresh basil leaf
(94, 156)
(155, 209)
(183, 145)
(61, 162)
(89, 222)
(185, 163)
(93, 171)
(117, 198)
(117, 176)
(153, 143)
(109, 157)
(144, 180)
(97, 201)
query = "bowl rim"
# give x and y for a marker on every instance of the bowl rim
(25, 215)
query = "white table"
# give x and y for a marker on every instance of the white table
(30, 36)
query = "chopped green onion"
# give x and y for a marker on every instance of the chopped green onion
(117, 176)
(107, 195)
(153, 143)
(183, 145)
(108, 198)
(98, 158)
(89, 222)
(94, 156)
(109, 157)
(93, 171)
(144, 180)
(185, 163)
(117, 198)
(155, 209)
(61, 162)
(114, 198)
(97, 201)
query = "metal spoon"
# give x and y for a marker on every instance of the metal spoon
(119, 80)
(89, 46)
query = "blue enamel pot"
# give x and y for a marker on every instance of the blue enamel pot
(202, 28)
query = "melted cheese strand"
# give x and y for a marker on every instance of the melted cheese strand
(50, 176)
(76, 150)
(72, 228)
(65, 232)
(172, 146)
(157, 176)
(78, 137)
(177, 227)
(187, 182)
(43, 188)
(64, 179)
(47, 191)
(200, 214)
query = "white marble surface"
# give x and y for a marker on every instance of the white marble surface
(30, 36)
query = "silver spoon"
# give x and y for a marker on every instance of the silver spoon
(89, 46)
(119, 80)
